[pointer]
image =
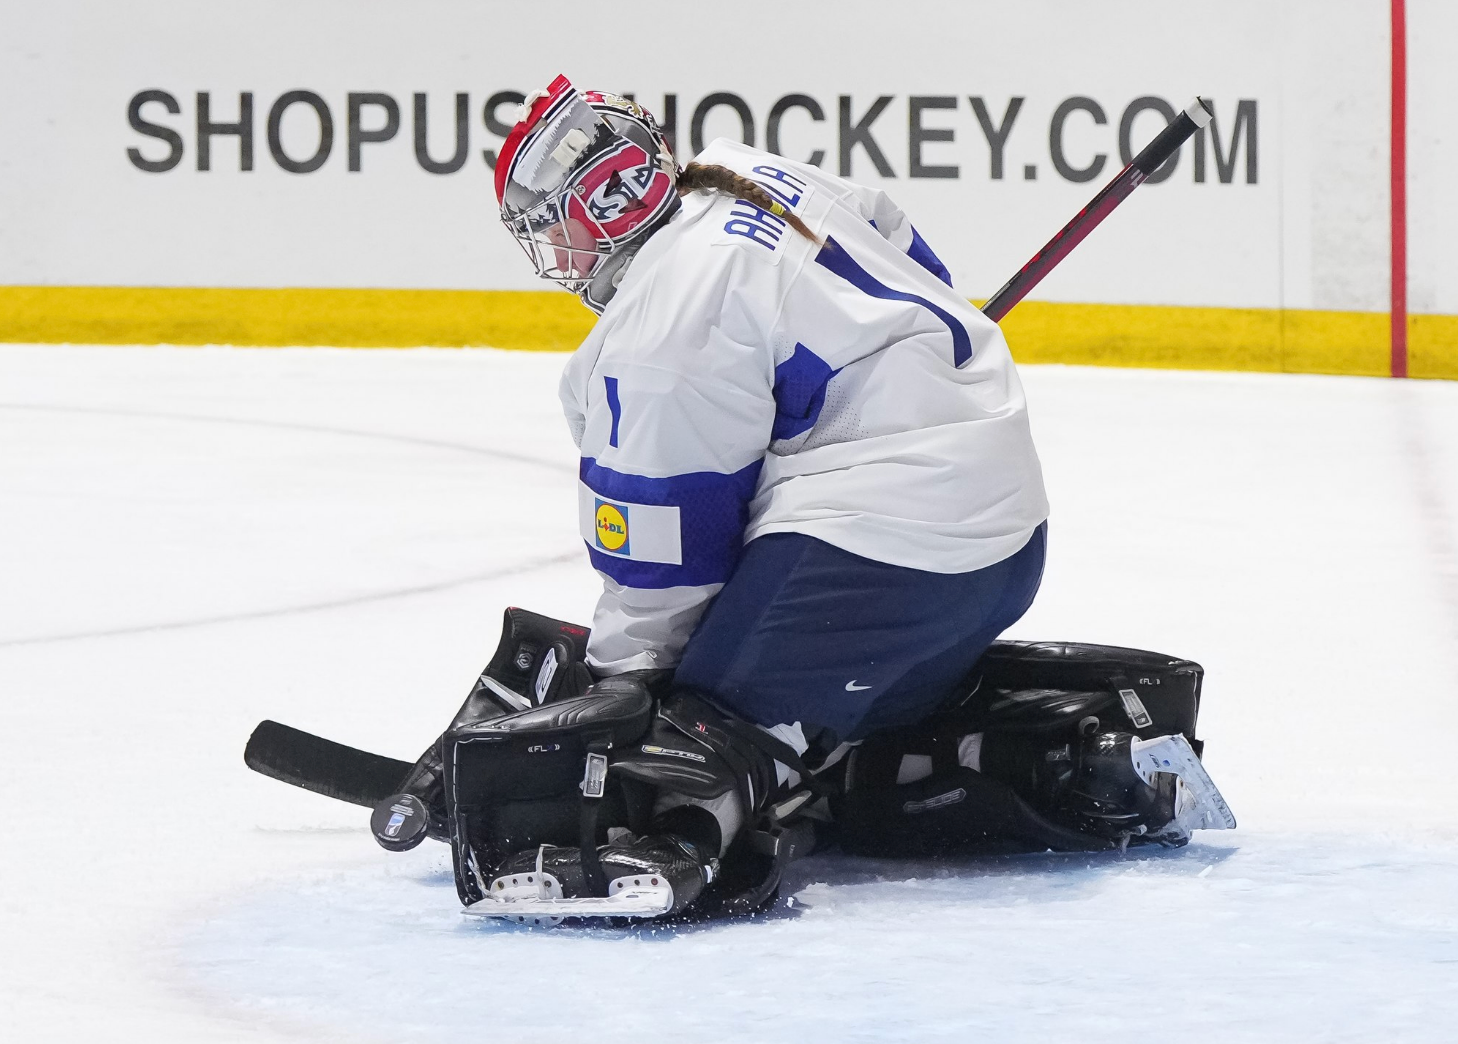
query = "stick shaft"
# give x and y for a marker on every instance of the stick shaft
(1154, 155)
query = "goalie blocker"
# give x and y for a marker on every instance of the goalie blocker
(563, 798)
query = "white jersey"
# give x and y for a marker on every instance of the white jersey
(744, 381)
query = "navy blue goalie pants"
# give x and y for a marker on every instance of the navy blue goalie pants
(806, 632)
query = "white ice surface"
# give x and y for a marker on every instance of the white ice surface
(195, 539)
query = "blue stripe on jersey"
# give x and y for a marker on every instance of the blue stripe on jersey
(923, 255)
(799, 392)
(834, 257)
(614, 407)
(713, 510)
(927, 258)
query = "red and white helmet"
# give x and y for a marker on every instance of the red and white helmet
(581, 179)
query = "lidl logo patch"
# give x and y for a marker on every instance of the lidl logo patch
(611, 525)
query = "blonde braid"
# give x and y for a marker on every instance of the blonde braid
(711, 177)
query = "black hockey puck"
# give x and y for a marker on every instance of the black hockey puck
(399, 823)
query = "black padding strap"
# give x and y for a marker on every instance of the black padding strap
(594, 782)
(780, 751)
(728, 737)
(592, 872)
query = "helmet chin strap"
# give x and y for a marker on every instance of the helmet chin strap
(611, 269)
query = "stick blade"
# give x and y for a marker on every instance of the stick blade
(313, 763)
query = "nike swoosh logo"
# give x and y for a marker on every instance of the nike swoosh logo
(851, 686)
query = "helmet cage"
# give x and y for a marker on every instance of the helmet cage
(576, 188)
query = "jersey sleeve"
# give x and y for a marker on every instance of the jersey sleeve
(673, 444)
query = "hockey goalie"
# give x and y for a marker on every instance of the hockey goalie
(809, 485)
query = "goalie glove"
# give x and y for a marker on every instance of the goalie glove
(538, 660)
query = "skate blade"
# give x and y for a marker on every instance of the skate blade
(1203, 807)
(541, 902)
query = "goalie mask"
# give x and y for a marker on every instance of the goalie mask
(583, 180)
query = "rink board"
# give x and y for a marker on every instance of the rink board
(1165, 337)
(347, 147)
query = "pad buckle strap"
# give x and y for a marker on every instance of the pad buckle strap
(594, 785)
(594, 776)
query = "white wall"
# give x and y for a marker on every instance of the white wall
(1432, 128)
(1311, 231)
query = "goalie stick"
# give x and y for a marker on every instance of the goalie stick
(1196, 115)
(323, 766)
